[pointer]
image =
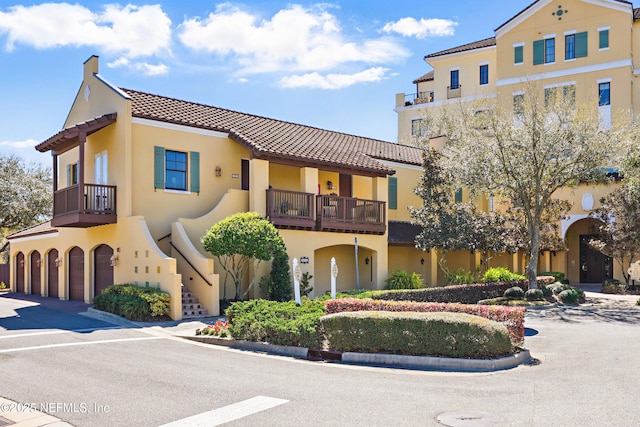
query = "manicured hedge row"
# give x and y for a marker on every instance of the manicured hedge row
(511, 317)
(412, 333)
(133, 302)
(464, 294)
(281, 323)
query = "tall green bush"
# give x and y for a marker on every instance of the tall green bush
(501, 274)
(277, 286)
(133, 302)
(403, 280)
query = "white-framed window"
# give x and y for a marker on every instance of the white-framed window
(418, 127)
(176, 170)
(484, 74)
(518, 53)
(603, 38)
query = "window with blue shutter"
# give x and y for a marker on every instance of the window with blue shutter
(158, 167)
(538, 52)
(604, 39)
(393, 192)
(458, 196)
(195, 172)
(518, 56)
(581, 45)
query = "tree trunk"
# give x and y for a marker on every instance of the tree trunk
(532, 268)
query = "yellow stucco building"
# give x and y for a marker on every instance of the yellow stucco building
(584, 47)
(139, 178)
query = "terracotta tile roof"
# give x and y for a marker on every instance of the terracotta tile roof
(427, 77)
(279, 140)
(43, 228)
(402, 233)
(491, 41)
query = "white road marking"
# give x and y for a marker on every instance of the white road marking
(71, 344)
(32, 334)
(229, 413)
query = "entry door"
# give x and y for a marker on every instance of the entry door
(76, 274)
(345, 186)
(36, 277)
(20, 272)
(103, 273)
(595, 266)
(52, 273)
(101, 178)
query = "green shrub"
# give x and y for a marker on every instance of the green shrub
(133, 302)
(277, 286)
(613, 286)
(501, 274)
(514, 292)
(281, 323)
(534, 295)
(459, 277)
(403, 280)
(557, 287)
(638, 302)
(569, 296)
(412, 333)
(546, 290)
(557, 275)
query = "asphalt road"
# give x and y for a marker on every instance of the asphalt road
(90, 373)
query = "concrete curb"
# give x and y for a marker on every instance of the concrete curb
(110, 317)
(376, 359)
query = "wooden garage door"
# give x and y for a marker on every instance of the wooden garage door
(36, 277)
(52, 274)
(103, 272)
(76, 274)
(20, 272)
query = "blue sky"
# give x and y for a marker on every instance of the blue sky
(334, 65)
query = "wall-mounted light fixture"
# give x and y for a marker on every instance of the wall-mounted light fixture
(21, 263)
(422, 261)
(58, 262)
(115, 258)
(218, 171)
(330, 185)
(38, 263)
(366, 260)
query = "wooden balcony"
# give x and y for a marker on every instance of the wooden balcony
(84, 206)
(291, 209)
(350, 215)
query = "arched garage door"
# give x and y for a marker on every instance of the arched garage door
(103, 272)
(20, 272)
(76, 274)
(52, 273)
(36, 277)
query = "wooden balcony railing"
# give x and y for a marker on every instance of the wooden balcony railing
(350, 215)
(95, 206)
(304, 211)
(291, 209)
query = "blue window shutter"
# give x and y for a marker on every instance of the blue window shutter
(393, 193)
(581, 45)
(195, 172)
(458, 196)
(158, 167)
(538, 52)
(517, 55)
(604, 39)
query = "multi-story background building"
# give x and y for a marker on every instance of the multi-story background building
(586, 48)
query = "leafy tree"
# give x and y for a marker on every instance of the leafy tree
(525, 157)
(242, 241)
(25, 196)
(452, 226)
(277, 286)
(619, 213)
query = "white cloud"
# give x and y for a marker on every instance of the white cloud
(333, 81)
(410, 27)
(144, 67)
(129, 30)
(27, 143)
(294, 39)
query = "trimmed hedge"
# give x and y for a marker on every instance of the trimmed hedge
(511, 317)
(281, 323)
(465, 294)
(133, 302)
(412, 333)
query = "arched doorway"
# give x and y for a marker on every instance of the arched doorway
(20, 272)
(584, 263)
(103, 270)
(36, 277)
(52, 273)
(76, 274)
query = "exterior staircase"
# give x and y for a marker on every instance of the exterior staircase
(191, 307)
